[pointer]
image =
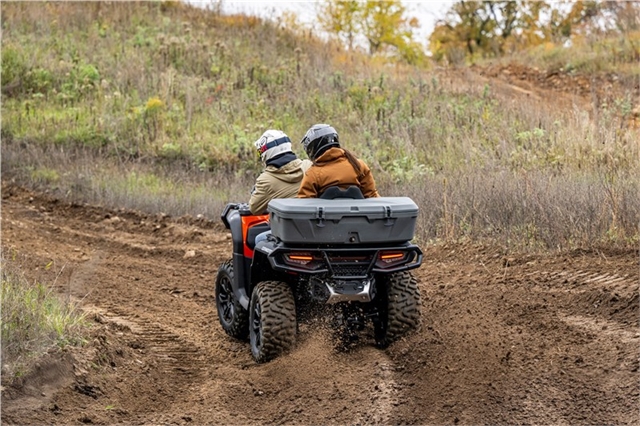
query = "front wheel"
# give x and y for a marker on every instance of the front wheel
(272, 320)
(234, 319)
(398, 308)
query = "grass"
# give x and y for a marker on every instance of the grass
(591, 54)
(154, 106)
(34, 320)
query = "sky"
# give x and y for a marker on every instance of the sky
(427, 11)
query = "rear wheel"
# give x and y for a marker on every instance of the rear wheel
(233, 317)
(272, 319)
(398, 308)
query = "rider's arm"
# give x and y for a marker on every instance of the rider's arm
(367, 183)
(260, 196)
(308, 185)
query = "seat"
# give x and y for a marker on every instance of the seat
(253, 232)
(334, 192)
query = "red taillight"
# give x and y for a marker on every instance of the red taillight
(390, 257)
(298, 258)
(387, 259)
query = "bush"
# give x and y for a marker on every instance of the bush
(13, 65)
(33, 320)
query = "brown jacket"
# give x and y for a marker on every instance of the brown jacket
(333, 169)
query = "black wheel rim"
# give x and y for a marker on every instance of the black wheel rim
(255, 326)
(225, 301)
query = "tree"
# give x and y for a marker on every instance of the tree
(623, 16)
(490, 28)
(382, 25)
(341, 18)
(485, 26)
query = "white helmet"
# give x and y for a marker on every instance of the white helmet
(271, 144)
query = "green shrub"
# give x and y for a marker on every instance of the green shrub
(45, 175)
(38, 80)
(33, 319)
(13, 65)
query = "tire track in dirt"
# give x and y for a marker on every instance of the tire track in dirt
(533, 340)
(609, 281)
(598, 299)
(384, 396)
(173, 352)
(159, 342)
(596, 312)
(315, 384)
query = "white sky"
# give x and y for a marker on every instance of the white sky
(427, 11)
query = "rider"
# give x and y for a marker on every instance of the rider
(332, 165)
(282, 173)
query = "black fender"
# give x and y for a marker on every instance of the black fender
(261, 268)
(241, 265)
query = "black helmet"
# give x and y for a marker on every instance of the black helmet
(318, 139)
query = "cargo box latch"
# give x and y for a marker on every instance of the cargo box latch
(320, 217)
(387, 216)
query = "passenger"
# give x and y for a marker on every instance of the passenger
(282, 174)
(332, 165)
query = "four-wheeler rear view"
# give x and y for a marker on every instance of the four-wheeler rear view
(345, 255)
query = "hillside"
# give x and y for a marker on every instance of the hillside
(144, 105)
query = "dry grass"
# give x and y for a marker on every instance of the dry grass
(34, 319)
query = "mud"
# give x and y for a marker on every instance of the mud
(505, 338)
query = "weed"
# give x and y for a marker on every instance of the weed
(34, 319)
(45, 176)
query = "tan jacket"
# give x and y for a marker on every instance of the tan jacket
(333, 169)
(276, 182)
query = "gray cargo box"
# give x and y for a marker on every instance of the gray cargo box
(343, 221)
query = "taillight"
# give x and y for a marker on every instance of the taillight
(302, 260)
(390, 257)
(387, 259)
(298, 258)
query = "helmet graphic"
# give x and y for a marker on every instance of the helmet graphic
(318, 139)
(271, 144)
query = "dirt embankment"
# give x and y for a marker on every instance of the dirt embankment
(505, 339)
(556, 88)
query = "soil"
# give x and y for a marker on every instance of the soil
(506, 338)
(595, 87)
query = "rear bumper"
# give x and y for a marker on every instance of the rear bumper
(340, 262)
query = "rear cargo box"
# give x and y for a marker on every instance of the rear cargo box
(343, 221)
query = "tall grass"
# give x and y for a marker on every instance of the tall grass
(33, 320)
(155, 105)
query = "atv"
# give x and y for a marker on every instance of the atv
(341, 251)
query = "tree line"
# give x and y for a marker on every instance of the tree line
(473, 28)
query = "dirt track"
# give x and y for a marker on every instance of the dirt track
(505, 339)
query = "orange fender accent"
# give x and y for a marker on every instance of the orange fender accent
(249, 222)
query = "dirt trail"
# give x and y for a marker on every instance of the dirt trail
(505, 340)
